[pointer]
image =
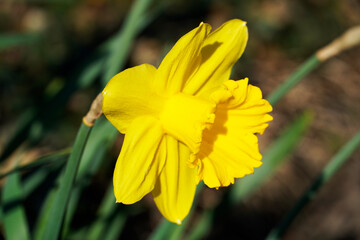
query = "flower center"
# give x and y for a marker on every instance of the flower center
(185, 117)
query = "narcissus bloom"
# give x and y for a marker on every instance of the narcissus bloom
(186, 121)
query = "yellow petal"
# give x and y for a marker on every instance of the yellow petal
(182, 61)
(229, 149)
(250, 115)
(138, 166)
(185, 117)
(227, 157)
(175, 189)
(220, 50)
(128, 95)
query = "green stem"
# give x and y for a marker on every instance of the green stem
(332, 167)
(62, 197)
(295, 78)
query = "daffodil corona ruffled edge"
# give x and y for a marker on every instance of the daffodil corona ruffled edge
(186, 121)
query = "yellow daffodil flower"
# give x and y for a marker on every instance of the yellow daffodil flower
(186, 121)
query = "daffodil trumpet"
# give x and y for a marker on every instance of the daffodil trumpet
(185, 121)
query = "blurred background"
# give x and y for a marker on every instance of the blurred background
(50, 73)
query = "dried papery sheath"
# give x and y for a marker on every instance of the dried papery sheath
(348, 40)
(95, 111)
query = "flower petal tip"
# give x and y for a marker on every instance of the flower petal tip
(178, 221)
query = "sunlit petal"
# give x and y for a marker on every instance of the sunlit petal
(229, 148)
(137, 167)
(128, 95)
(220, 50)
(185, 117)
(249, 116)
(229, 156)
(181, 62)
(175, 189)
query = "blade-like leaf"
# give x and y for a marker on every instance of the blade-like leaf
(16, 39)
(14, 219)
(45, 214)
(33, 181)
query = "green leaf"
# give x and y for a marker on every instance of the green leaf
(14, 219)
(23, 127)
(45, 213)
(33, 181)
(36, 179)
(16, 39)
